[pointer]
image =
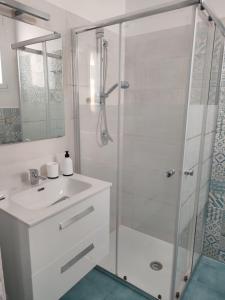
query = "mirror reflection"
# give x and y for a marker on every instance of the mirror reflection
(31, 91)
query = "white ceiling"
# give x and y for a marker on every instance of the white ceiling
(92, 10)
(95, 10)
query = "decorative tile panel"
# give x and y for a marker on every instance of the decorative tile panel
(212, 235)
(214, 242)
(216, 198)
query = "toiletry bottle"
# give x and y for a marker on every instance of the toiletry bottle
(67, 165)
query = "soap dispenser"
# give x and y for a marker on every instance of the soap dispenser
(67, 165)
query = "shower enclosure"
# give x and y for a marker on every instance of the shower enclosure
(146, 99)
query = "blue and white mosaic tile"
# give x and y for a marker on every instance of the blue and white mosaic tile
(212, 235)
(221, 256)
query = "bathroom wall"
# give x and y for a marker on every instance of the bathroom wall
(17, 158)
(157, 66)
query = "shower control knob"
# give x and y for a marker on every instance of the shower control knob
(189, 173)
(170, 173)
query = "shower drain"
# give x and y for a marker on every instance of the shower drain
(156, 266)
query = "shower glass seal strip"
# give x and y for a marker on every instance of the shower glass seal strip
(24, 9)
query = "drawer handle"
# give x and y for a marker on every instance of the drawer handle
(74, 260)
(76, 218)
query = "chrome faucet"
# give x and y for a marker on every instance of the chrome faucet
(35, 177)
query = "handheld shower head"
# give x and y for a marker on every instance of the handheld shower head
(123, 85)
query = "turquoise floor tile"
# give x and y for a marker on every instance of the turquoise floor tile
(85, 290)
(101, 280)
(207, 282)
(199, 291)
(97, 285)
(124, 293)
(212, 275)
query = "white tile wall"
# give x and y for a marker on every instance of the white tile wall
(89, 118)
(91, 151)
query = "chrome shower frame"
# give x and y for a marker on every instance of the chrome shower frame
(155, 10)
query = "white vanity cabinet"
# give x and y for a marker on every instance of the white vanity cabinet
(42, 262)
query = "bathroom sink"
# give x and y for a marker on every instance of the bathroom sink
(50, 193)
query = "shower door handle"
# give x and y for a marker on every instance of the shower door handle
(170, 173)
(189, 173)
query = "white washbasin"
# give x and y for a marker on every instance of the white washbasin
(50, 193)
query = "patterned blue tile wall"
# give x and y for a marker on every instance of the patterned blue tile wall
(214, 242)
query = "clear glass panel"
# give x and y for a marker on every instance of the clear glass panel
(208, 141)
(196, 163)
(157, 69)
(98, 59)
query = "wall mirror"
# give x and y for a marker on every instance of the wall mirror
(31, 88)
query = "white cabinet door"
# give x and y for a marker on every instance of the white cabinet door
(56, 279)
(2, 285)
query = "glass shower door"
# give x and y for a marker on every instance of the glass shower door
(200, 131)
(157, 70)
(97, 63)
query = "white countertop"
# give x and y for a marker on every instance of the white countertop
(33, 217)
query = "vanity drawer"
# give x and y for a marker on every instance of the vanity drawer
(54, 281)
(53, 237)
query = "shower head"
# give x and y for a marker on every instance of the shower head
(111, 89)
(123, 85)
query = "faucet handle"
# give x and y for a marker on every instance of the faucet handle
(34, 176)
(34, 173)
